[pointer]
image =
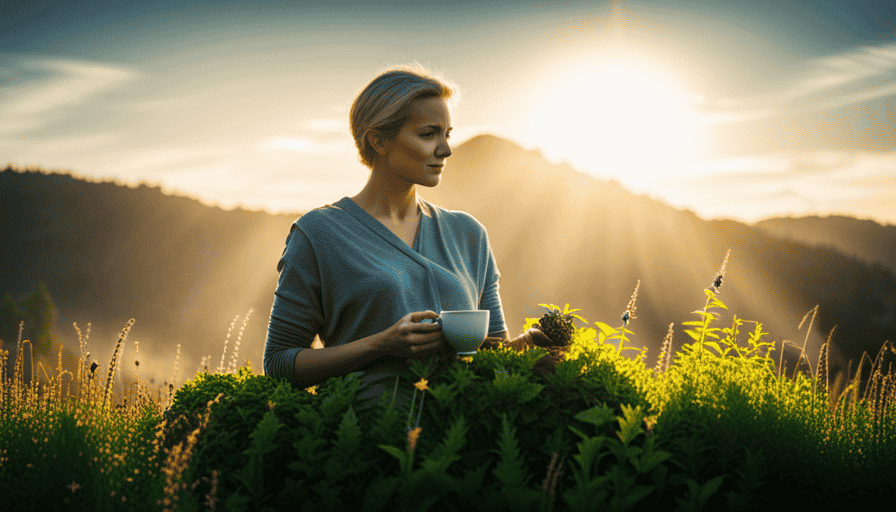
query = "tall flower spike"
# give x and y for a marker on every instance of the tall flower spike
(412, 437)
(717, 282)
(630, 308)
(664, 350)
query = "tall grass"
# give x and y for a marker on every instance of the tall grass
(733, 421)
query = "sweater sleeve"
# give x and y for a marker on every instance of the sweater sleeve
(491, 297)
(296, 316)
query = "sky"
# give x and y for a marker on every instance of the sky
(732, 109)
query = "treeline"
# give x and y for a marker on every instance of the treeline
(30, 318)
(184, 270)
(107, 252)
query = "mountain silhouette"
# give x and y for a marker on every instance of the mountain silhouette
(561, 236)
(110, 252)
(866, 240)
(184, 270)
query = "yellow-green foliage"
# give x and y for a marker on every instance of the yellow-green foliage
(66, 447)
(716, 418)
(620, 375)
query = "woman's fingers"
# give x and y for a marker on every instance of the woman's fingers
(538, 338)
(416, 316)
(413, 322)
(425, 338)
(409, 337)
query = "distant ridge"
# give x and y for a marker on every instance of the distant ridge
(183, 269)
(867, 240)
(109, 252)
(561, 236)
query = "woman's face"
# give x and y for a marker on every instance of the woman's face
(418, 152)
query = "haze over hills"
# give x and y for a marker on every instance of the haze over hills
(110, 252)
(866, 240)
(563, 237)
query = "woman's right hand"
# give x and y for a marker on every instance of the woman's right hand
(410, 339)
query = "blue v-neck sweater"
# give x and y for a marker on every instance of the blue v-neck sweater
(345, 276)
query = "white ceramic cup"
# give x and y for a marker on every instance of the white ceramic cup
(465, 330)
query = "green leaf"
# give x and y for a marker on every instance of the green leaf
(515, 385)
(567, 311)
(395, 452)
(713, 345)
(589, 454)
(530, 322)
(630, 423)
(598, 415)
(635, 494)
(443, 393)
(650, 460)
(710, 488)
(348, 437)
(606, 329)
(566, 372)
(446, 452)
(379, 494)
(264, 434)
(714, 302)
(511, 468)
(423, 369)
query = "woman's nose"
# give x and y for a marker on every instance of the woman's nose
(444, 150)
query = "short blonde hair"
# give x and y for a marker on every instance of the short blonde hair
(384, 105)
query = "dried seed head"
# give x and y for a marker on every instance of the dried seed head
(630, 308)
(665, 350)
(720, 276)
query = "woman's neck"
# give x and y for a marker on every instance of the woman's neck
(388, 199)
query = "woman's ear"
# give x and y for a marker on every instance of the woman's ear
(376, 141)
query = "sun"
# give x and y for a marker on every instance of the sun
(617, 117)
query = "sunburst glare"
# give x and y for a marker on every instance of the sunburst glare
(619, 117)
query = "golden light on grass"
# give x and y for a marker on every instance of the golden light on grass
(130, 453)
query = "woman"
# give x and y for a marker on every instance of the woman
(364, 272)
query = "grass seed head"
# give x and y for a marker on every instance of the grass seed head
(630, 308)
(662, 362)
(720, 276)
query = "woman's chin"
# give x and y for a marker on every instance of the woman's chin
(431, 181)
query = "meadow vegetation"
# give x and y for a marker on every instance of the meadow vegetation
(716, 425)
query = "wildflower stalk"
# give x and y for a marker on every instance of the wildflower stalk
(421, 386)
(627, 316)
(236, 346)
(226, 340)
(113, 364)
(662, 361)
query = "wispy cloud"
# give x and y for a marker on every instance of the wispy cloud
(40, 91)
(827, 83)
(847, 69)
(784, 183)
